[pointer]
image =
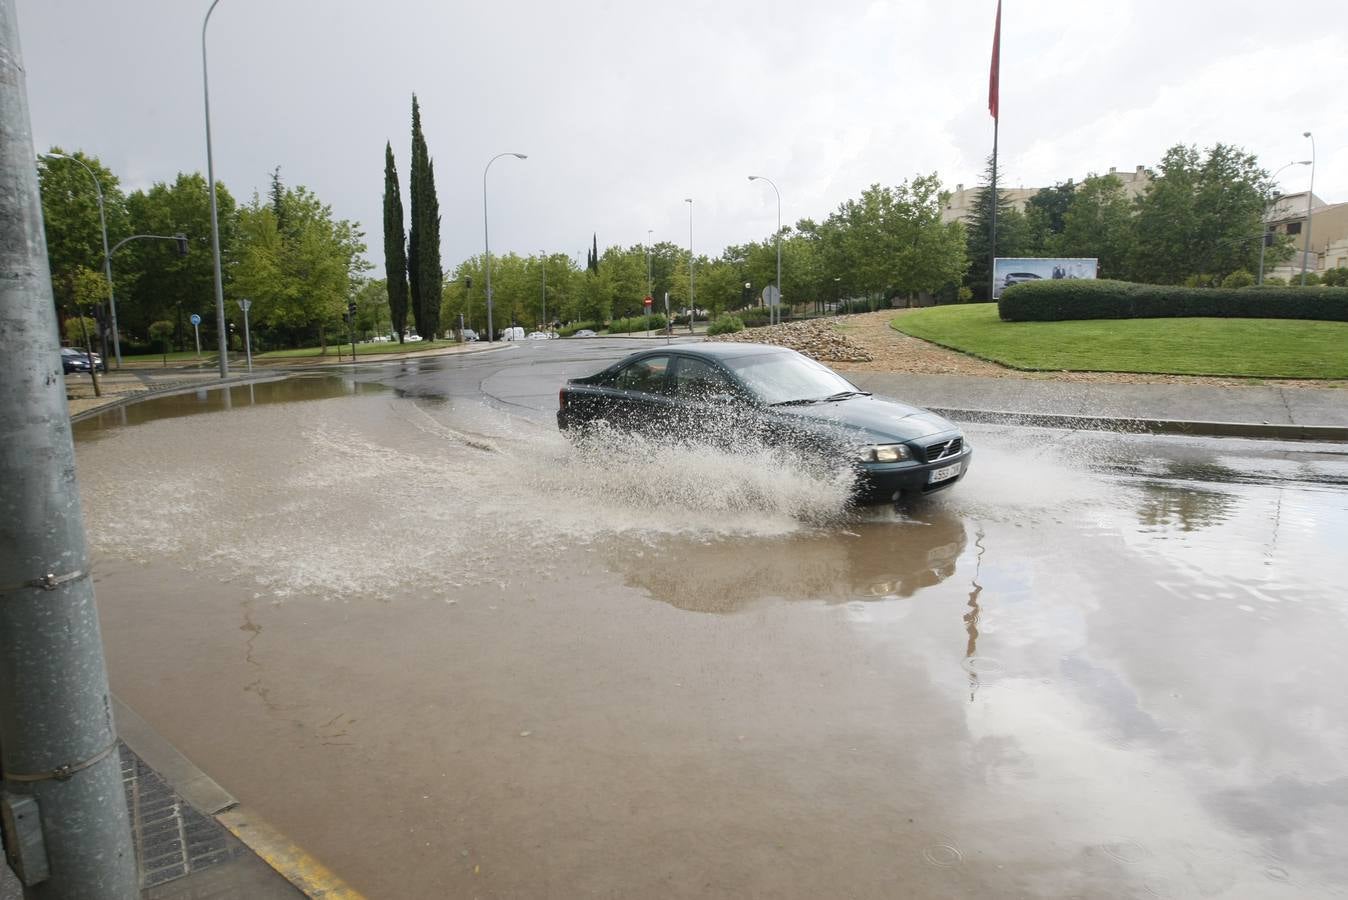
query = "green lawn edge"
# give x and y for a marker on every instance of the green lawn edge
(1213, 347)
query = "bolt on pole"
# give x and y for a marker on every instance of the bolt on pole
(67, 832)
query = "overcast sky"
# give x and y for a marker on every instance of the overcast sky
(626, 108)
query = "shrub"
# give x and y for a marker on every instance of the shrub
(726, 324)
(656, 321)
(1276, 281)
(752, 316)
(1238, 279)
(1336, 277)
(1051, 301)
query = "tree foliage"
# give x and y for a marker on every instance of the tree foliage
(395, 246)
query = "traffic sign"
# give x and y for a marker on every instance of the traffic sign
(771, 296)
(195, 319)
(648, 301)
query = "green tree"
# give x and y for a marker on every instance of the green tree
(395, 246)
(70, 218)
(414, 242)
(1013, 238)
(154, 283)
(1201, 214)
(1099, 223)
(1045, 216)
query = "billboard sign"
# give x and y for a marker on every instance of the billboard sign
(1015, 270)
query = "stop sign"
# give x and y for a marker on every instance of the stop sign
(648, 301)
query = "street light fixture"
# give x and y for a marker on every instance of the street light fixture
(1263, 238)
(1305, 257)
(107, 257)
(486, 236)
(649, 287)
(215, 219)
(692, 306)
(779, 245)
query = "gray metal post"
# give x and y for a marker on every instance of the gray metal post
(215, 219)
(486, 237)
(248, 341)
(546, 329)
(67, 833)
(692, 306)
(1305, 257)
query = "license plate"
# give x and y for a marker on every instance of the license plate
(943, 474)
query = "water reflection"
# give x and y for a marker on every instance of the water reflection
(873, 560)
(1167, 506)
(207, 399)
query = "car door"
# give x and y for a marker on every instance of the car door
(706, 403)
(638, 397)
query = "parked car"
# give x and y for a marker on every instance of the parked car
(584, 332)
(411, 338)
(469, 335)
(73, 359)
(539, 336)
(513, 333)
(718, 391)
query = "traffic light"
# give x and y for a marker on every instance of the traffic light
(351, 309)
(182, 243)
(468, 282)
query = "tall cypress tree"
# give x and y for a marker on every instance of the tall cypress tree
(428, 234)
(1011, 234)
(395, 246)
(594, 253)
(414, 262)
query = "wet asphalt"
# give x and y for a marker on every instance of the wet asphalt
(452, 655)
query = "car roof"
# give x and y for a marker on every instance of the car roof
(720, 350)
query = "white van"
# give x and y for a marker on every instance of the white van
(513, 333)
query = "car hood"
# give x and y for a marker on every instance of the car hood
(873, 419)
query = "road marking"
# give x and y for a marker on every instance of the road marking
(291, 861)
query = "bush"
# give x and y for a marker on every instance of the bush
(1238, 279)
(753, 316)
(656, 322)
(1052, 301)
(726, 324)
(1337, 277)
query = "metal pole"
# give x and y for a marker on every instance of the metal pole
(779, 248)
(692, 305)
(1305, 257)
(649, 285)
(992, 242)
(196, 332)
(215, 220)
(247, 340)
(546, 329)
(486, 237)
(64, 810)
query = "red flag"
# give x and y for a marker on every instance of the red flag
(996, 62)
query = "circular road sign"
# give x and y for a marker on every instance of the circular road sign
(771, 296)
(648, 301)
(196, 319)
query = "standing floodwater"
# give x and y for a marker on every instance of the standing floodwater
(1101, 666)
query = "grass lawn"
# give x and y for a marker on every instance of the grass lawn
(370, 349)
(1252, 348)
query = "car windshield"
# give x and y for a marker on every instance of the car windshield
(788, 377)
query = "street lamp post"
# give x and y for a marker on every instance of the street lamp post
(649, 232)
(107, 257)
(543, 256)
(215, 219)
(244, 304)
(1263, 238)
(692, 305)
(486, 236)
(779, 245)
(1305, 257)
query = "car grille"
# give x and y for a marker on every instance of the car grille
(943, 449)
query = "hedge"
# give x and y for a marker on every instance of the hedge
(1053, 301)
(655, 322)
(725, 324)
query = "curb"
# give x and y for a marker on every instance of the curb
(203, 794)
(1288, 432)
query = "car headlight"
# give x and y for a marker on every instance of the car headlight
(886, 453)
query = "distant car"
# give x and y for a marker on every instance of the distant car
(1018, 277)
(469, 335)
(73, 359)
(584, 332)
(411, 338)
(513, 333)
(719, 392)
(539, 335)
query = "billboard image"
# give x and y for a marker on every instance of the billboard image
(1007, 271)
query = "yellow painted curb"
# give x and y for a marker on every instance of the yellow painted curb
(296, 866)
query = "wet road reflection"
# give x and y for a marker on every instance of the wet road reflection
(1106, 665)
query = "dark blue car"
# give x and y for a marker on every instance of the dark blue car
(718, 391)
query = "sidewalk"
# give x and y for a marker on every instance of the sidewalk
(1264, 411)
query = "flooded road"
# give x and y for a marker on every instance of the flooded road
(451, 655)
